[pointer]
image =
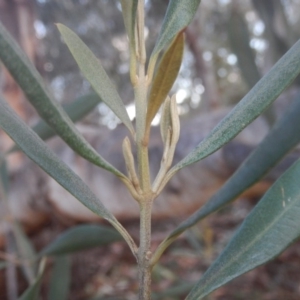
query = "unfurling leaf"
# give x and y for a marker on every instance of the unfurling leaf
(165, 120)
(165, 77)
(174, 121)
(92, 69)
(130, 165)
(170, 130)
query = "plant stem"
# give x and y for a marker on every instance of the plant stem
(146, 200)
(142, 149)
(141, 89)
(144, 254)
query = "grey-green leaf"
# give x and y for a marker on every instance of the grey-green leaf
(36, 92)
(92, 69)
(178, 16)
(75, 110)
(4, 177)
(3, 265)
(129, 9)
(26, 252)
(81, 238)
(40, 153)
(249, 108)
(283, 137)
(280, 140)
(32, 292)
(60, 280)
(268, 230)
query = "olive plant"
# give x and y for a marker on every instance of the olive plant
(272, 225)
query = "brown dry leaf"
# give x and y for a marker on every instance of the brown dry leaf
(165, 77)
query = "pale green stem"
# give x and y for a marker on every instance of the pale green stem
(141, 90)
(144, 254)
(161, 249)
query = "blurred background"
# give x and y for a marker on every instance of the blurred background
(230, 45)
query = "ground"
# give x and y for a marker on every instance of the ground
(110, 272)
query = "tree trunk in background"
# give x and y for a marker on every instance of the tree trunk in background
(203, 69)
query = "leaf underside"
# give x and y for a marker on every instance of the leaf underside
(92, 69)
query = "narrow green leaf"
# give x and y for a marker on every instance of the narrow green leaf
(129, 9)
(32, 292)
(92, 69)
(3, 265)
(280, 140)
(32, 84)
(249, 108)
(165, 77)
(268, 230)
(283, 137)
(76, 110)
(26, 252)
(179, 15)
(4, 177)
(81, 238)
(25, 249)
(60, 279)
(39, 152)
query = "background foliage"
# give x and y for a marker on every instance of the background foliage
(212, 75)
